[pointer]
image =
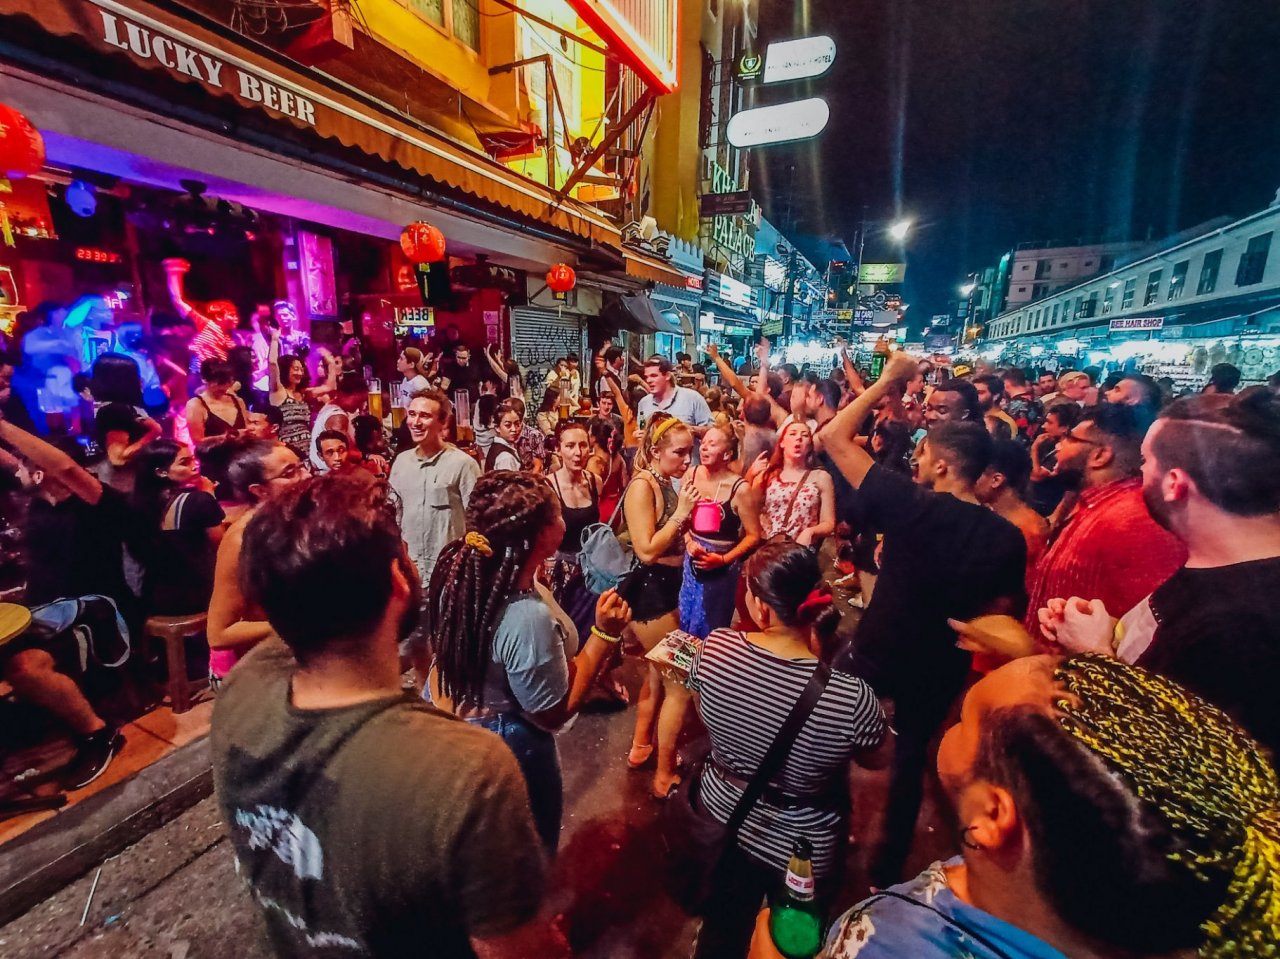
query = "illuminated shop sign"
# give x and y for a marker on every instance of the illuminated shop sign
(781, 123)
(1139, 323)
(798, 59)
(646, 33)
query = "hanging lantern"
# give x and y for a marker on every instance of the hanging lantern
(561, 278)
(422, 243)
(21, 145)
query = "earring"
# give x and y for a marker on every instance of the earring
(966, 841)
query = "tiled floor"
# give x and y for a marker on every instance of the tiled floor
(148, 739)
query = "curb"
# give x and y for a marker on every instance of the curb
(61, 849)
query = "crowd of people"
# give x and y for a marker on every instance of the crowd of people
(1066, 579)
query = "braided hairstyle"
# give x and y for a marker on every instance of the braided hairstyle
(469, 589)
(1158, 797)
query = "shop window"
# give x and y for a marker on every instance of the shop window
(1209, 273)
(1178, 280)
(1253, 261)
(1153, 287)
(1130, 291)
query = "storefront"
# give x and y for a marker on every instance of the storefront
(198, 112)
(728, 316)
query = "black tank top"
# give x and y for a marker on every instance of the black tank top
(577, 518)
(215, 425)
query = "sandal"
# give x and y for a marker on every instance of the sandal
(664, 796)
(639, 756)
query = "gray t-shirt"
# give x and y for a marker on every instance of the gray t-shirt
(684, 404)
(530, 668)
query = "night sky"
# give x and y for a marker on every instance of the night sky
(994, 123)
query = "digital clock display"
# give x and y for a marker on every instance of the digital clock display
(91, 254)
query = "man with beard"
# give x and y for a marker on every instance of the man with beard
(1107, 547)
(952, 401)
(363, 820)
(1211, 475)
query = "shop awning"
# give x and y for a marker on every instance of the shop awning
(152, 38)
(654, 269)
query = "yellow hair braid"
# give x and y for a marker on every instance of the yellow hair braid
(1203, 775)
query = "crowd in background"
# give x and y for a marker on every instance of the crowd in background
(1088, 564)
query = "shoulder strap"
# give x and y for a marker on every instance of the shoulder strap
(780, 747)
(791, 503)
(491, 457)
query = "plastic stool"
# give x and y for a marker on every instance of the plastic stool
(174, 631)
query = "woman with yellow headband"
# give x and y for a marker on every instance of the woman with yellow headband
(505, 656)
(1104, 812)
(655, 519)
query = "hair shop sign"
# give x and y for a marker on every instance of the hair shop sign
(189, 58)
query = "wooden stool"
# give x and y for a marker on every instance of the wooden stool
(174, 631)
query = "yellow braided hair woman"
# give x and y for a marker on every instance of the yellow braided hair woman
(1103, 811)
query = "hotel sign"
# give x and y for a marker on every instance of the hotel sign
(780, 123)
(1138, 323)
(208, 66)
(799, 59)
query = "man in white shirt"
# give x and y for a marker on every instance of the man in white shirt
(684, 404)
(434, 482)
(352, 394)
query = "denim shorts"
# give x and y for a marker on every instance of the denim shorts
(539, 760)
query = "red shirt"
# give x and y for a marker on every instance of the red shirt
(1109, 548)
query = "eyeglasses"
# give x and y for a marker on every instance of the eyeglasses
(292, 471)
(1075, 438)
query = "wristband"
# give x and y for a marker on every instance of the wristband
(601, 634)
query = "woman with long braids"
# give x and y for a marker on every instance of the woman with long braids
(505, 655)
(1104, 811)
(656, 518)
(724, 530)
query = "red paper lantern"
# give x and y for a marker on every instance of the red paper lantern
(21, 145)
(561, 278)
(422, 243)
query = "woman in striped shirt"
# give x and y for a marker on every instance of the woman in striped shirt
(746, 683)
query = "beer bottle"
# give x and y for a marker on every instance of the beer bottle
(795, 923)
(879, 353)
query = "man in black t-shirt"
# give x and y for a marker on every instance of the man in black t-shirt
(365, 821)
(75, 530)
(945, 557)
(1211, 476)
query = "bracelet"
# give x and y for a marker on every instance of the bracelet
(601, 634)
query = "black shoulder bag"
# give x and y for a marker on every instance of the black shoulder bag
(695, 840)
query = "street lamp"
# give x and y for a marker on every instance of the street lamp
(899, 230)
(967, 289)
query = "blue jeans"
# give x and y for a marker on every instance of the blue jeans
(535, 751)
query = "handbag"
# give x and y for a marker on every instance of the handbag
(695, 840)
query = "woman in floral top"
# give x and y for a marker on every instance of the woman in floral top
(797, 498)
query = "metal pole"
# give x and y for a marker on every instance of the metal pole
(787, 295)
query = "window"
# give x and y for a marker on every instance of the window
(1130, 288)
(1064, 264)
(1209, 273)
(1153, 287)
(1178, 280)
(1091, 305)
(1253, 261)
(1108, 300)
(1055, 314)
(1039, 290)
(1042, 269)
(432, 10)
(1022, 289)
(1069, 310)
(1088, 262)
(463, 18)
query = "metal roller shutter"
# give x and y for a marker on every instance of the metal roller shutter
(538, 339)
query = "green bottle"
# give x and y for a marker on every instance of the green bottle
(794, 919)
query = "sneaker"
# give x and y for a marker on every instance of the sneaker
(92, 758)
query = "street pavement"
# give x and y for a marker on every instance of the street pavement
(175, 894)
